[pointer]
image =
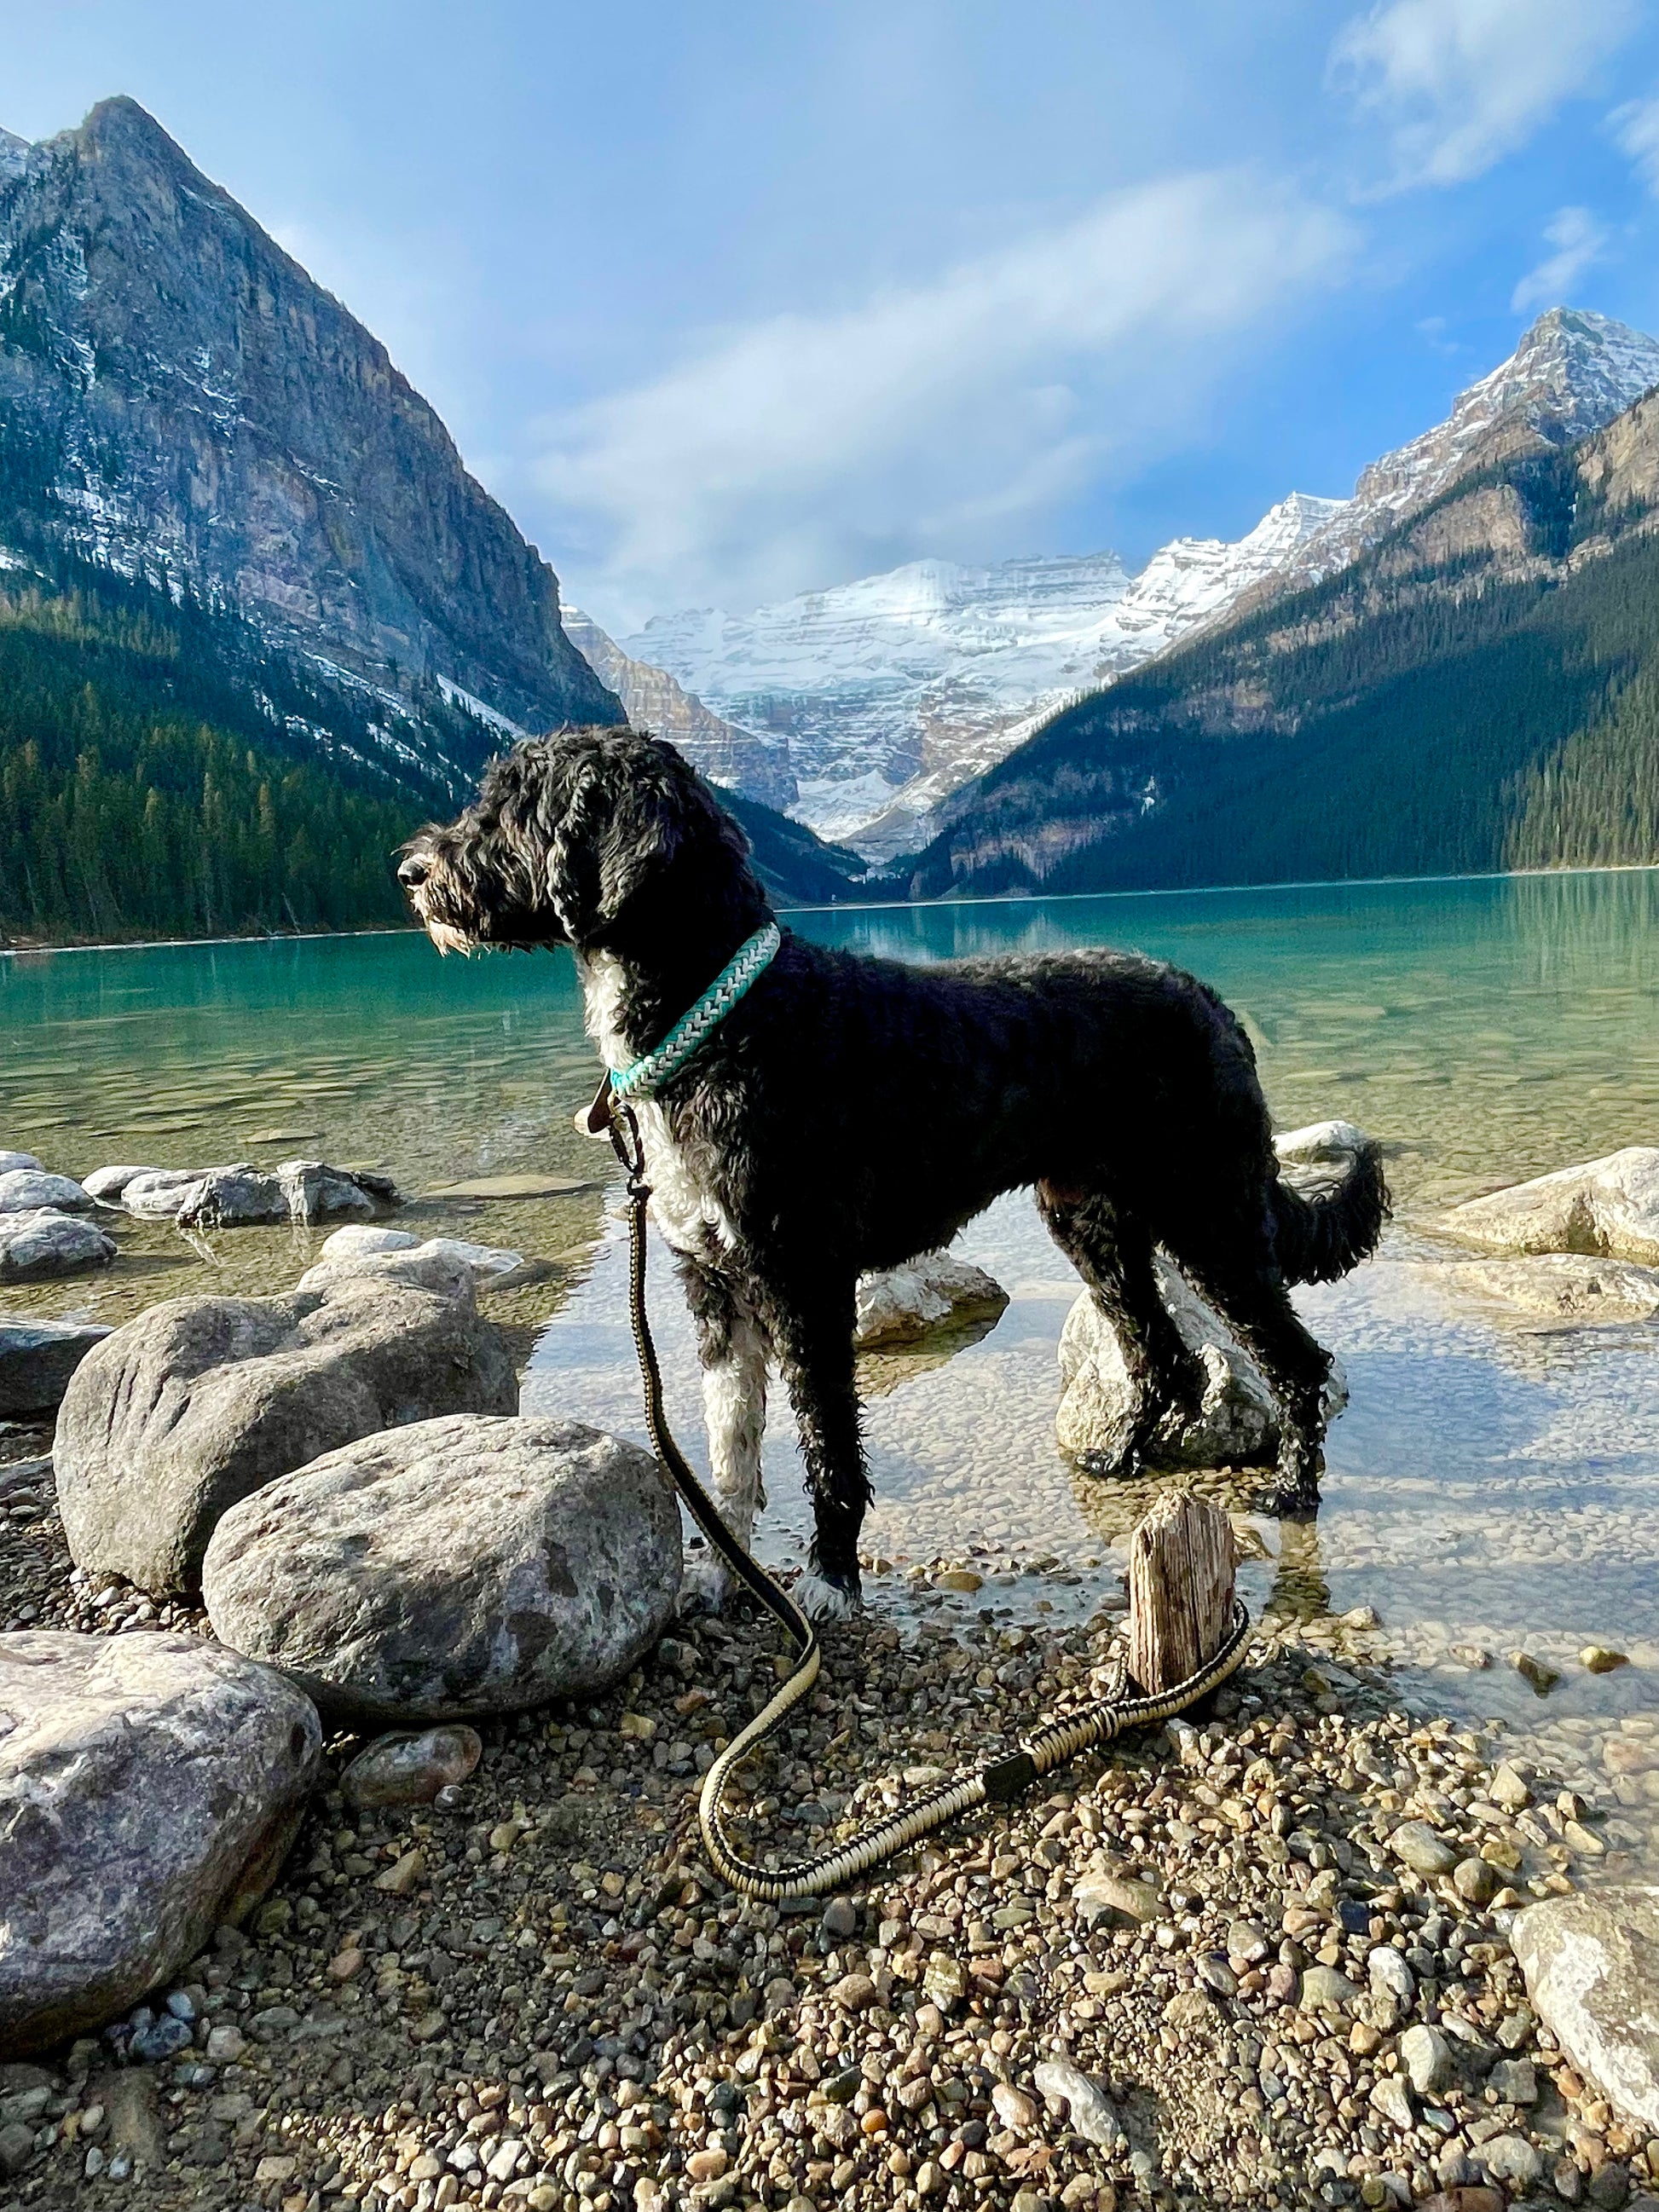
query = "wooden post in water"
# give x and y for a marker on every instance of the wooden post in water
(1181, 1558)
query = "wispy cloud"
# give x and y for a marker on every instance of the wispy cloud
(1635, 128)
(1579, 240)
(939, 419)
(1457, 84)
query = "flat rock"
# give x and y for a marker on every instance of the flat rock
(514, 1186)
(425, 1267)
(149, 1787)
(1236, 1424)
(200, 1402)
(241, 1194)
(1592, 1967)
(365, 1237)
(1560, 1286)
(31, 1190)
(38, 1357)
(454, 1568)
(1608, 1209)
(34, 1246)
(933, 1290)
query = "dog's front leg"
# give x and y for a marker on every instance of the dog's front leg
(731, 1345)
(812, 1332)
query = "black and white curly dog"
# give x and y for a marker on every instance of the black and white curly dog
(850, 1113)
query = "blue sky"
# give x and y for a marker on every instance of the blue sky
(729, 302)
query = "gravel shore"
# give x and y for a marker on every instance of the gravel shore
(1275, 1943)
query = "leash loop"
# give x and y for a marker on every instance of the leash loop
(1000, 1781)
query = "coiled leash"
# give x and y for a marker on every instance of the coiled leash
(997, 1784)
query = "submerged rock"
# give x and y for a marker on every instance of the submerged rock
(149, 1787)
(200, 1402)
(1560, 1286)
(1236, 1424)
(31, 1190)
(1608, 1208)
(449, 1264)
(1592, 1967)
(47, 1242)
(38, 1357)
(930, 1292)
(454, 1568)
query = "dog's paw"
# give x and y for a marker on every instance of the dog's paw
(819, 1599)
(705, 1582)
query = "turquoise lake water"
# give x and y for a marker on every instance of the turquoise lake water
(1492, 1482)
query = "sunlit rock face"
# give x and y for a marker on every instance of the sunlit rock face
(178, 399)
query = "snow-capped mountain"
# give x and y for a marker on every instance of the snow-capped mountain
(894, 691)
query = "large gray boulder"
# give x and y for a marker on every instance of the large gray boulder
(38, 1357)
(1236, 1424)
(238, 1196)
(457, 1568)
(9, 1162)
(200, 1402)
(31, 1190)
(1608, 1208)
(1592, 1969)
(36, 1244)
(150, 1788)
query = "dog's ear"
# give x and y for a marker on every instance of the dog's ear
(605, 837)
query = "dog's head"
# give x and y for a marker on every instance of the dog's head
(570, 837)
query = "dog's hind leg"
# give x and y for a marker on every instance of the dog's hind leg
(812, 1333)
(1256, 1303)
(731, 1345)
(1113, 1252)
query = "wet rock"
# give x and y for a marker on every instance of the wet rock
(1608, 1208)
(360, 1237)
(34, 1246)
(225, 1197)
(1592, 1964)
(33, 1190)
(410, 1768)
(930, 1292)
(1321, 1144)
(1236, 1424)
(1598, 1659)
(106, 1184)
(20, 1163)
(425, 1268)
(1560, 1286)
(1538, 1673)
(453, 1568)
(149, 1786)
(1415, 1844)
(200, 1401)
(1088, 2108)
(38, 1357)
(1510, 1788)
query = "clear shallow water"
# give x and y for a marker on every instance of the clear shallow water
(1491, 1484)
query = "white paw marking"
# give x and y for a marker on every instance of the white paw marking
(821, 1601)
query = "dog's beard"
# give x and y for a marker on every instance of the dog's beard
(448, 938)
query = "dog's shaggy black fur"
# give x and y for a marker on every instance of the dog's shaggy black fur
(852, 1113)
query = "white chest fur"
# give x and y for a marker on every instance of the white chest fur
(687, 1214)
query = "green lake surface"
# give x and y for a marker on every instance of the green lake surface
(1492, 1484)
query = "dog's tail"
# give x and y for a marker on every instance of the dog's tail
(1319, 1237)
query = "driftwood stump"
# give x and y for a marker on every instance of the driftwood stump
(1182, 1559)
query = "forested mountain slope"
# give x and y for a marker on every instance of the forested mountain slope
(1480, 690)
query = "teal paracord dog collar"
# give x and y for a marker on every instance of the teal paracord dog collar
(647, 1074)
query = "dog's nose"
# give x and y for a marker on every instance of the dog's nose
(413, 870)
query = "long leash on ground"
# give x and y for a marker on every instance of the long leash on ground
(1000, 1781)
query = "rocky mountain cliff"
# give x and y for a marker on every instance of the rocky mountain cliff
(178, 400)
(1478, 691)
(895, 693)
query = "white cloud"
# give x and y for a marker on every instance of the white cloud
(1635, 128)
(1579, 240)
(938, 419)
(1460, 83)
